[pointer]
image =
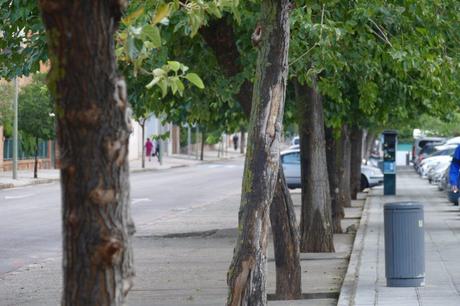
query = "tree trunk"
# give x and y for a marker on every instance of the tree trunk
(203, 141)
(93, 127)
(286, 243)
(247, 273)
(356, 142)
(344, 155)
(242, 140)
(370, 138)
(315, 222)
(333, 173)
(36, 158)
(143, 143)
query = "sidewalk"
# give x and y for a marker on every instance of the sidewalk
(365, 282)
(25, 177)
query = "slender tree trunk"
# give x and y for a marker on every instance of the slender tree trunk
(219, 36)
(315, 223)
(143, 143)
(333, 173)
(344, 156)
(247, 273)
(356, 141)
(36, 158)
(286, 243)
(370, 138)
(242, 140)
(93, 127)
(203, 141)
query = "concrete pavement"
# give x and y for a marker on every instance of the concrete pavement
(25, 177)
(365, 282)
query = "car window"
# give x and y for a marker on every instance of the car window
(291, 158)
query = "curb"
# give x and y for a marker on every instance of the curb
(137, 170)
(29, 183)
(348, 290)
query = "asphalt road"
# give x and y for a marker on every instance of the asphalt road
(30, 227)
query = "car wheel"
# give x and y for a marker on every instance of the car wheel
(364, 182)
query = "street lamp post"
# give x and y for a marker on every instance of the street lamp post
(15, 130)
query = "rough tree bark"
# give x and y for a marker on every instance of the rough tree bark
(286, 243)
(219, 36)
(344, 156)
(337, 210)
(356, 142)
(93, 127)
(315, 223)
(247, 273)
(242, 140)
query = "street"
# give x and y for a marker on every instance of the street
(30, 231)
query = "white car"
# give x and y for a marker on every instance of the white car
(431, 162)
(290, 159)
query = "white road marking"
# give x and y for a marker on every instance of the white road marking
(18, 196)
(135, 201)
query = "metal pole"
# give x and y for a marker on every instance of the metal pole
(15, 130)
(189, 140)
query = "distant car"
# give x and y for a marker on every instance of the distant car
(290, 159)
(419, 143)
(295, 142)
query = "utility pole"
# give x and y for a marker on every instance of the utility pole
(15, 130)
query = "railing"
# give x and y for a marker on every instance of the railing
(8, 150)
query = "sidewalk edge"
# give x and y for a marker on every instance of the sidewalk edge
(348, 289)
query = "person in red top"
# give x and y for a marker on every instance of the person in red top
(148, 148)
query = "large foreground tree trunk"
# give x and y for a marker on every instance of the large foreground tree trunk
(93, 127)
(219, 36)
(356, 142)
(344, 156)
(286, 243)
(315, 223)
(333, 173)
(247, 273)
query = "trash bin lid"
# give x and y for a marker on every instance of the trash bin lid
(403, 205)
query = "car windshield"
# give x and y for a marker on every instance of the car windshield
(291, 158)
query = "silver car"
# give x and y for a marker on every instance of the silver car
(290, 159)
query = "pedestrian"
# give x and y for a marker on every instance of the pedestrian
(148, 148)
(454, 173)
(235, 142)
(157, 150)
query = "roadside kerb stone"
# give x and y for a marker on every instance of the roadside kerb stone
(348, 289)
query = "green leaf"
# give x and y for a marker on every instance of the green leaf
(175, 66)
(153, 82)
(163, 84)
(152, 34)
(162, 12)
(128, 20)
(195, 80)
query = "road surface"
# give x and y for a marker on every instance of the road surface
(30, 228)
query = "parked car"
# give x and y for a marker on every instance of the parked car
(290, 159)
(436, 172)
(433, 160)
(295, 141)
(419, 143)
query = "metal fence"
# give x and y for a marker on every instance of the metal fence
(8, 150)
